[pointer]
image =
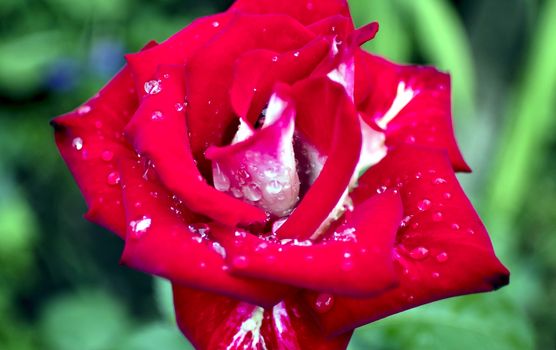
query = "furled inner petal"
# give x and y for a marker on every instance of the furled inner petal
(260, 167)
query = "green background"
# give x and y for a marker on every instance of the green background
(61, 287)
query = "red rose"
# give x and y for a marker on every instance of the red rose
(229, 159)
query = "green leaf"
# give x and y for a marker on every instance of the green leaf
(88, 320)
(156, 336)
(478, 322)
(164, 298)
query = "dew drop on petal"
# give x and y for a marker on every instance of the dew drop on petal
(274, 187)
(455, 227)
(179, 107)
(252, 192)
(442, 257)
(439, 181)
(435, 275)
(419, 253)
(424, 204)
(324, 302)
(139, 227)
(83, 110)
(113, 178)
(157, 115)
(447, 195)
(107, 155)
(152, 87)
(437, 216)
(77, 143)
(219, 249)
(240, 261)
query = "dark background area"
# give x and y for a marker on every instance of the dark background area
(60, 283)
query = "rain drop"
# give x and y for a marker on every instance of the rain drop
(447, 195)
(454, 227)
(419, 253)
(157, 115)
(437, 216)
(107, 156)
(274, 187)
(252, 192)
(153, 87)
(140, 226)
(423, 205)
(113, 178)
(77, 143)
(179, 107)
(83, 110)
(240, 262)
(324, 302)
(442, 257)
(439, 181)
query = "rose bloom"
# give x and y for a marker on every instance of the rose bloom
(290, 185)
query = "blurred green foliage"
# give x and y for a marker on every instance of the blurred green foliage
(60, 284)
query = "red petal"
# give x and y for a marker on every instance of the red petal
(165, 239)
(175, 50)
(442, 249)
(337, 133)
(158, 129)
(209, 74)
(256, 72)
(305, 11)
(412, 103)
(90, 140)
(360, 267)
(213, 322)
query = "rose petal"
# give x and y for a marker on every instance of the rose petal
(442, 249)
(212, 321)
(413, 104)
(175, 50)
(158, 129)
(256, 72)
(262, 168)
(305, 11)
(360, 267)
(209, 75)
(90, 141)
(336, 133)
(167, 240)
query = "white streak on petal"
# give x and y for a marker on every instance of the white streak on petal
(404, 95)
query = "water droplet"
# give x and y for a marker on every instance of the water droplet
(215, 24)
(157, 115)
(410, 139)
(324, 302)
(274, 58)
(179, 107)
(252, 192)
(107, 156)
(437, 216)
(139, 227)
(447, 195)
(237, 193)
(77, 143)
(381, 189)
(347, 255)
(455, 227)
(240, 262)
(470, 231)
(439, 181)
(152, 87)
(435, 275)
(83, 110)
(201, 229)
(219, 249)
(221, 181)
(423, 205)
(296, 54)
(419, 253)
(274, 187)
(113, 178)
(442, 257)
